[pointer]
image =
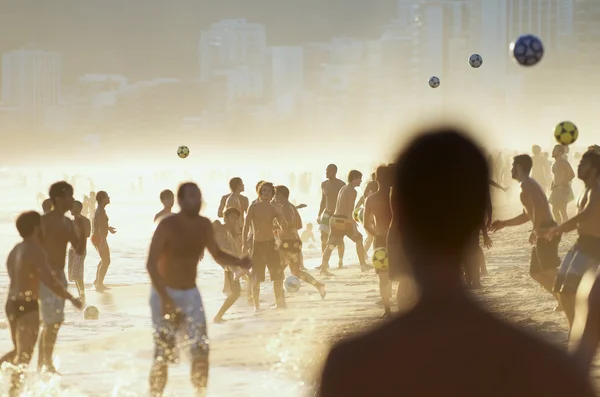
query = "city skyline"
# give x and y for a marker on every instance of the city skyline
(343, 82)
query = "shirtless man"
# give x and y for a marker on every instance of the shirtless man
(544, 255)
(562, 192)
(426, 351)
(177, 246)
(27, 266)
(585, 254)
(261, 216)
(290, 249)
(235, 199)
(58, 231)
(76, 261)
(330, 189)
(100, 232)
(343, 225)
(230, 241)
(167, 199)
(378, 217)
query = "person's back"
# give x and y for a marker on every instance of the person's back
(446, 345)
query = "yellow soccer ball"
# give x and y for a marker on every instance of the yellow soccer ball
(183, 151)
(380, 259)
(358, 214)
(566, 133)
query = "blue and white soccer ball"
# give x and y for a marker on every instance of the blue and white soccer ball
(292, 284)
(475, 60)
(527, 50)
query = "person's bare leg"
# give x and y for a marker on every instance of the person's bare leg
(324, 237)
(80, 289)
(231, 299)
(279, 294)
(256, 294)
(200, 376)
(325, 261)
(385, 290)
(46, 346)
(341, 249)
(567, 301)
(28, 327)
(360, 251)
(159, 373)
(368, 242)
(295, 268)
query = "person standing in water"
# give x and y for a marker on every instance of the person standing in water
(540, 170)
(261, 217)
(177, 246)
(27, 266)
(584, 256)
(167, 199)
(100, 231)
(562, 192)
(330, 189)
(58, 231)
(425, 352)
(76, 261)
(290, 249)
(343, 225)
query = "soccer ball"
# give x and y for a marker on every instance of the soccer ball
(292, 284)
(434, 82)
(91, 313)
(566, 133)
(359, 214)
(527, 50)
(475, 60)
(183, 151)
(380, 259)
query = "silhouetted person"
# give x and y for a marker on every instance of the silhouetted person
(100, 230)
(47, 205)
(167, 199)
(447, 345)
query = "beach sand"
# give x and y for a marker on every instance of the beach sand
(276, 352)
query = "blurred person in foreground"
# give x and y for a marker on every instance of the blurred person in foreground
(447, 345)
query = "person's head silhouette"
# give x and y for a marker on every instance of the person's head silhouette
(440, 196)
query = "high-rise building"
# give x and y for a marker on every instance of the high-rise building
(287, 76)
(31, 83)
(232, 43)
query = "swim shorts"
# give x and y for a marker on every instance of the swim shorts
(266, 255)
(52, 306)
(561, 195)
(75, 265)
(190, 327)
(342, 227)
(584, 256)
(544, 254)
(16, 309)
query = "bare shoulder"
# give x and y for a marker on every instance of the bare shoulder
(205, 223)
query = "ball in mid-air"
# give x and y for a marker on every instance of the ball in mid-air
(380, 259)
(358, 214)
(434, 82)
(183, 151)
(566, 133)
(475, 60)
(527, 50)
(292, 284)
(91, 313)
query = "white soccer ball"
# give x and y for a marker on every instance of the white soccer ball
(292, 284)
(434, 82)
(475, 60)
(91, 313)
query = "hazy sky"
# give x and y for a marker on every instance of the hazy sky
(148, 38)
